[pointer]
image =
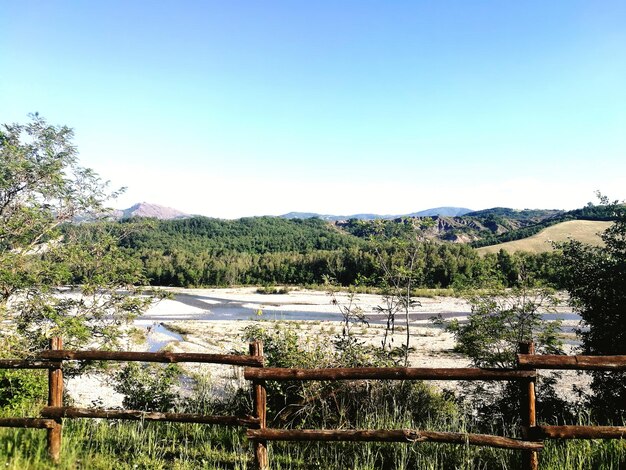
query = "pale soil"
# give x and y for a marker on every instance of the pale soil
(433, 346)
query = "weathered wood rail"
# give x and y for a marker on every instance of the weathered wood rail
(387, 373)
(391, 435)
(608, 363)
(36, 423)
(259, 434)
(579, 432)
(166, 357)
(72, 412)
(27, 364)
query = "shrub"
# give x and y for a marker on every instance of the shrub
(341, 403)
(19, 388)
(148, 387)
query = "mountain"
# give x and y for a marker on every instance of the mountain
(481, 228)
(438, 211)
(333, 218)
(442, 212)
(517, 214)
(145, 209)
(307, 215)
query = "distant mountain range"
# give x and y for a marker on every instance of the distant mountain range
(145, 209)
(148, 210)
(437, 211)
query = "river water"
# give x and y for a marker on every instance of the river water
(208, 308)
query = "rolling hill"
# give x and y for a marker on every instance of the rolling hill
(585, 231)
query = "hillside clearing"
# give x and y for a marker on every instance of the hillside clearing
(585, 231)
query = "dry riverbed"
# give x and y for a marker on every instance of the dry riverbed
(198, 320)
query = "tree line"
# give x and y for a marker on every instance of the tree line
(266, 250)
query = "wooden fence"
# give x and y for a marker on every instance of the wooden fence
(259, 434)
(51, 415)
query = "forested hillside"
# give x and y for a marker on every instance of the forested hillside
(266, 250)
(201, 251)
(480, 228)
(254, 235)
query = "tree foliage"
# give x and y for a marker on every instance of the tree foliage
(42, 187)
(269, 250)
(499, 321)
(595, 278)
(148, 387)
(502, 319)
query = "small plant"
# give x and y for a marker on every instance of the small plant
(148, 387)
(18, 388)
(270, 289)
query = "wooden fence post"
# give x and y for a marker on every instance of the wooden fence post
(260, 410)
(530, 458)
(55, 398)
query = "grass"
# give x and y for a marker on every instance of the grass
(585, 231)
(89, 444)
(272, 290)
(101, 444)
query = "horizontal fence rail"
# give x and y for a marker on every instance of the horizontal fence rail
(608, 363)
(395, 435)
(387, 373)
(578, 432)
(28, 364)
(166, 357)
(72, 412)
(36, 423)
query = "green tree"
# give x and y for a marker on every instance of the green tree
(401, 263)
(595, 278)
(499, 321)
(43, 259)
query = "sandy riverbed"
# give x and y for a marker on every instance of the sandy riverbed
(193, 312)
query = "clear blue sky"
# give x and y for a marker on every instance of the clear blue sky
(248, 108)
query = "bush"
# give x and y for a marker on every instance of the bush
(148, 387)
(20, 388)
(272, 290)
(340, 404)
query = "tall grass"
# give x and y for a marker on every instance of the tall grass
(100, 444)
